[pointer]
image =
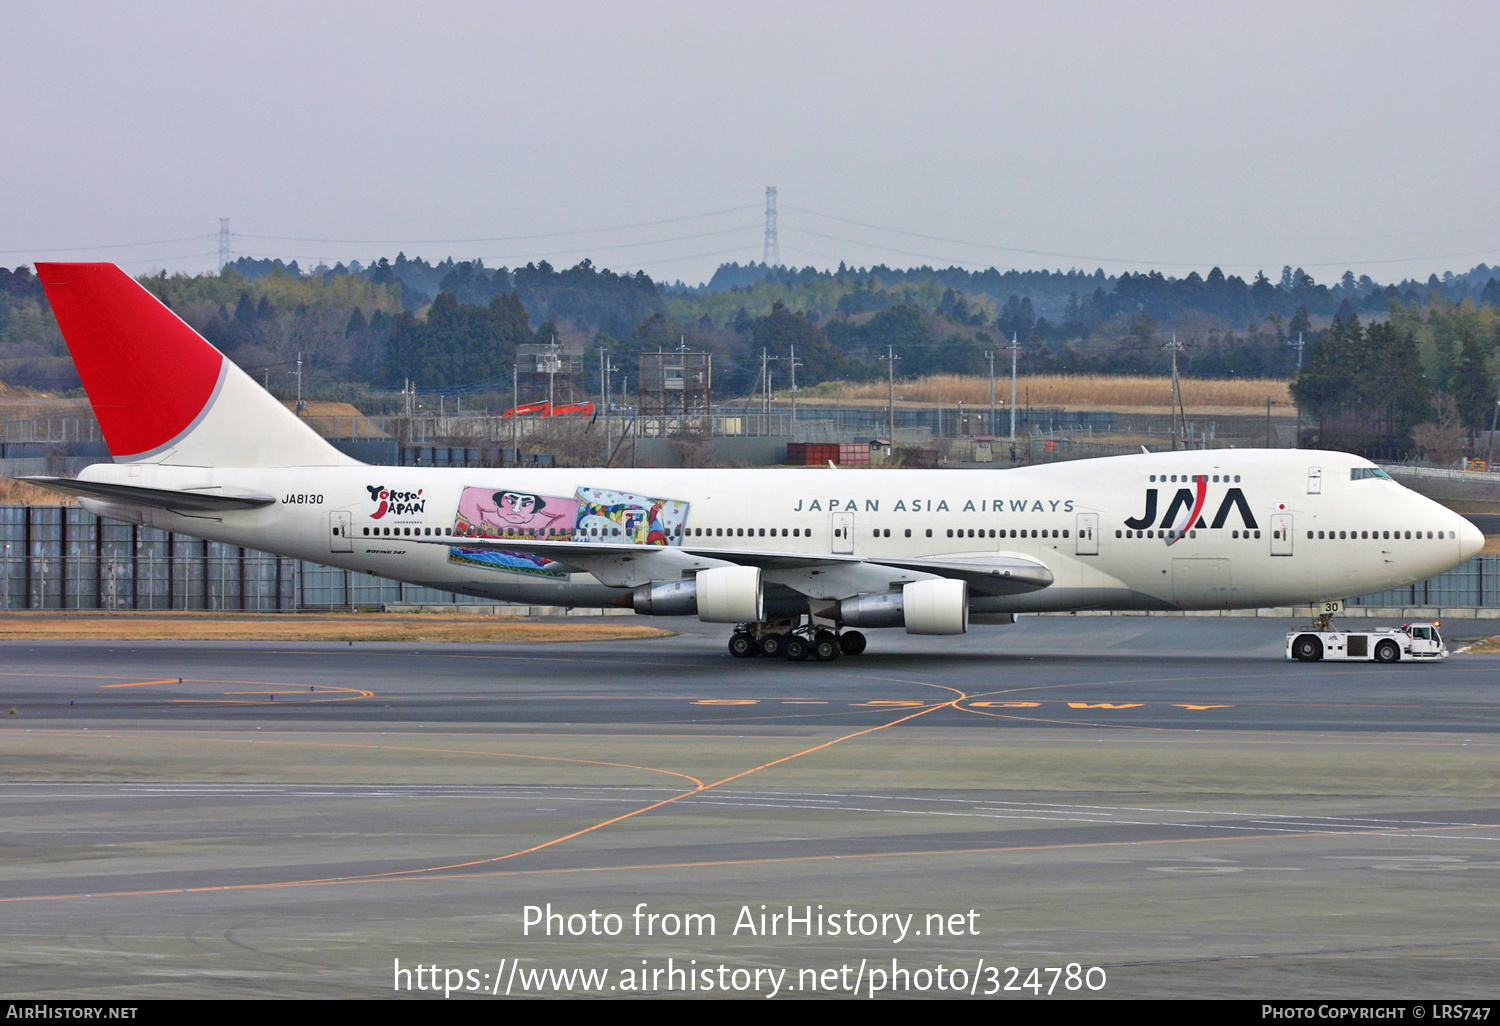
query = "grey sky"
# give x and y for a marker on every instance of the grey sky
(1128, 135)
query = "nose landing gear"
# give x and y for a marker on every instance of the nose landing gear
(794, 641)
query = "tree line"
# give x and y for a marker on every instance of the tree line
(1377, 361)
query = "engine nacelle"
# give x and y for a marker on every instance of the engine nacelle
(730, 594)
(724, 594)
(922, 607)
(936, 607)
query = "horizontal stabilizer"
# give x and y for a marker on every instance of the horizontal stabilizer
(158, 498)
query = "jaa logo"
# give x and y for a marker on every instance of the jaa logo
(1186, 508)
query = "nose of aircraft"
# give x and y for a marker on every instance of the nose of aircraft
(1470, 539)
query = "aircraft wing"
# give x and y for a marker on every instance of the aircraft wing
(998, 574)
(215, 501)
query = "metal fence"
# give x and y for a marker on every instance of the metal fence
(1475, 583)
(64, 557)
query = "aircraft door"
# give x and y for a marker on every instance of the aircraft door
(1281, 534)
(1314, 480)
(1088, 534)
(340, 526)
(843, 534)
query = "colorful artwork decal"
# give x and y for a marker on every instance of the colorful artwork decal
(637, 518)
(590, 515)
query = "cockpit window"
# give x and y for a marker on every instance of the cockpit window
(1363, 473)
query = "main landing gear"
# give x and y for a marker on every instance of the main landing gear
(794, 641)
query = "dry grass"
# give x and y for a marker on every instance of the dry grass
(24, 493)
(342, 420)
(29, 405)
(429, 627)
(1086, 391)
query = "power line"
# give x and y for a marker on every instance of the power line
(1101, 259)
(115, 245)
(695, 256)
(889, 249)
(636, 245)
(499, 238)
(164, 259)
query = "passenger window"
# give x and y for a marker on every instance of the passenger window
(929, 532)
(908, 532)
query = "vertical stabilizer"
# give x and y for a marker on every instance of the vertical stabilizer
(161, 393)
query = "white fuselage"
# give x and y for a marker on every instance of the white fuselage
(1272, 527)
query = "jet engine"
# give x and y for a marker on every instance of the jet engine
(922, 607)
(723, 594)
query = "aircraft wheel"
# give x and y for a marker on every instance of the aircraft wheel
(773, 645)
(1387, 652)
(825, 647)
(742, 645)
(852, 642)
(796, 649)
(1307, 649)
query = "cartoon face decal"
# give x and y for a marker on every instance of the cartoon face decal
(521, 509)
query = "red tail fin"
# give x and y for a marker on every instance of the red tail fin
(148, 375)
(161, 392)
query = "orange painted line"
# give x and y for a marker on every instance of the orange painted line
(142, 683)
(655, 805)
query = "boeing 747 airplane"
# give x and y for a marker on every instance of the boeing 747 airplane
(797, 559)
